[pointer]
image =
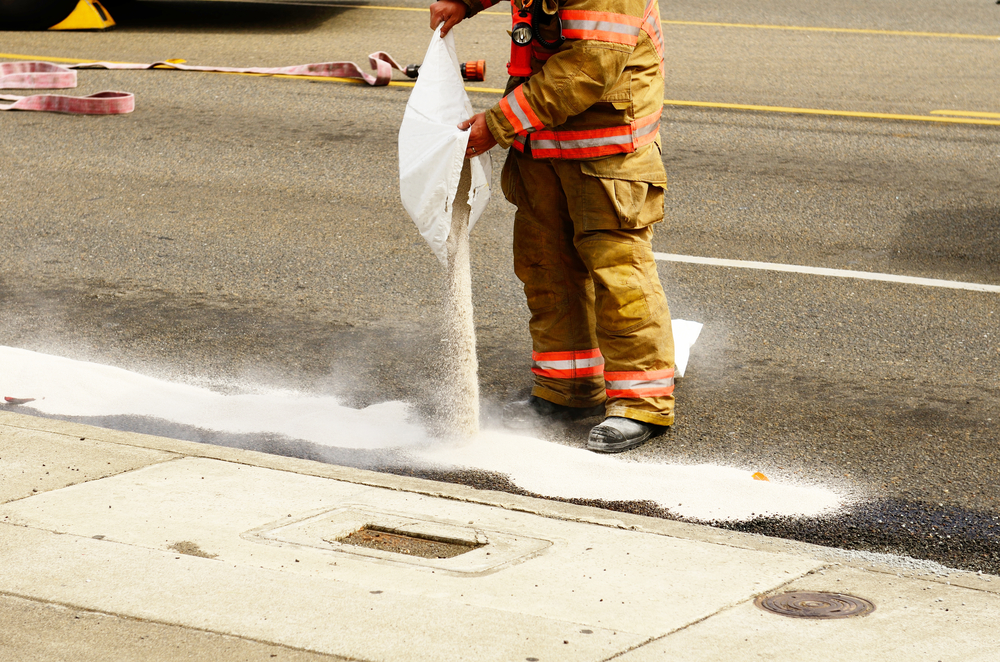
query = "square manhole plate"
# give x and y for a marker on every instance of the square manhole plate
(373, 537)
(353, 530)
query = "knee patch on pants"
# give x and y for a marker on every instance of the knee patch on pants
(627, 288)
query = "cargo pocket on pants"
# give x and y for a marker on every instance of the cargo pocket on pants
(629, 200)
(633, 185)
(603, 203)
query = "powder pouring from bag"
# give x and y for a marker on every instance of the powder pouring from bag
(460, 378)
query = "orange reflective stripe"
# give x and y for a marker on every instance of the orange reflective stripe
(583, 134)
(639, 394)
(568, 365)
(592, 143)
(646, 129)
(567, 355)
(581, 144)
(568, 374)
(526, 107)
(514, 120)
(651, 25)
(668, 373)
(601, 26)
(651, 384)
(518, 112)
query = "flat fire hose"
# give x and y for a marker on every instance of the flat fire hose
(45, 75)
(102, 103)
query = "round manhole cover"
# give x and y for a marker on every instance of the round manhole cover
(815, 605)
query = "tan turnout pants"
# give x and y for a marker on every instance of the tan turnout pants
(600, 325)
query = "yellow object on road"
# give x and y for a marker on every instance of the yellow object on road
(88, 15)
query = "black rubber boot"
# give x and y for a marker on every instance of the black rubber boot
(536, 411)
(617, 434)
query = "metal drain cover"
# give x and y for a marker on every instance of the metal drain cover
(340, 530)
(815, 605)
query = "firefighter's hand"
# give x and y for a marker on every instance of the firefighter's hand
(480, 138)
(449, 12)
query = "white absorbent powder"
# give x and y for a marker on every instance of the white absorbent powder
(700, 492)
(459, 396)
(64, 387)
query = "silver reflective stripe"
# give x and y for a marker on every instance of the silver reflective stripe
(655, 26)
(625, 139)
(646, 130)
(652, 20)
(571, 364)
(515, 107)
(601, 26)
(635, 384)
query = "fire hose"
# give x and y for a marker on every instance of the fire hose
(46, 75)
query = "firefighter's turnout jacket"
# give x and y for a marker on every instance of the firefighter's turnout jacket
(586, 175)
(600, 93)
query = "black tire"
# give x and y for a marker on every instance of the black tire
(33, 14)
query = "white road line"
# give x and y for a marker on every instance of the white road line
(821, 271)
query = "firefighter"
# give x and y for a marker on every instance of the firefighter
(581, 122)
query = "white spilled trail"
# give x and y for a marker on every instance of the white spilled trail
(702, 492)
(65, 387)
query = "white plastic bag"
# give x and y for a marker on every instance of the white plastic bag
(432, 147)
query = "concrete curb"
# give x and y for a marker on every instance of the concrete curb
(108, 537)
(543, 507)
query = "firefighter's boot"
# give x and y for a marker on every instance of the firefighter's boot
(535, 411)
(617, 434)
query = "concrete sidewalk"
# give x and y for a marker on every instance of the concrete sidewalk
(118, 546)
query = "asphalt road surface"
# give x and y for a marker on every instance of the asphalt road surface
(244, 228)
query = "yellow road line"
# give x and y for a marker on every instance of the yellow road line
(966, 113)
(380, 7)
(754, 26)
(488, 90)
(45, 58)
(964, 117)
(388, 8)
(893, 33)
(832, 113)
